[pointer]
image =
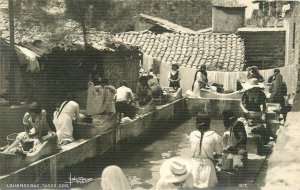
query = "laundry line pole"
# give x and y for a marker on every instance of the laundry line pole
(12, 56)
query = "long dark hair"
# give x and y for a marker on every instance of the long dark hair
(203, 124)
(203, 72)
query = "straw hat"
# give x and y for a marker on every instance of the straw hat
(176, 170)
(252, 83)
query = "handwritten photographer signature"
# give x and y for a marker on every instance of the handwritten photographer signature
(78, 180)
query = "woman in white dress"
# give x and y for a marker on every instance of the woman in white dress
(63, 119)
(200, 80)
(204, 144)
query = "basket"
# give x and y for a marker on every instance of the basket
(11, 138)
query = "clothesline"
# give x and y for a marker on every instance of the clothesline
(228, 79)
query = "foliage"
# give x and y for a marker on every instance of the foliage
(31, 12)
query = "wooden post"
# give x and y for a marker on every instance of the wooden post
(53, 170)
(12, 58)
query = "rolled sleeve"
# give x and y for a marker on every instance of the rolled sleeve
(26, 119)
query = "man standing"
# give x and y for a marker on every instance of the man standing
(124, 99)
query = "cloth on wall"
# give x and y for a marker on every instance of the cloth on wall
(155, 66)
(147, 62)
(28, 57)
(227, 79)
(95, 99)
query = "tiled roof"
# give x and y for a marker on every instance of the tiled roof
(166, 24)
(229, 3)
(217, 51)
(256, 1)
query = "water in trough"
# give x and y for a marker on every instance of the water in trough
(141, 160)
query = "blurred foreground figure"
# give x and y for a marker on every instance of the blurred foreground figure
(175, 173)
(113, 178)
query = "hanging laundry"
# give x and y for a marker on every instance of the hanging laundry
(95, 99)
(27, 56)
(147, 62)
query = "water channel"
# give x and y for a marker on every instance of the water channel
(140, 161)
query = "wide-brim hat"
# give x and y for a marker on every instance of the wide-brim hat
(253, 83)
(176, 170)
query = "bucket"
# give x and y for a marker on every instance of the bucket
(227, 162)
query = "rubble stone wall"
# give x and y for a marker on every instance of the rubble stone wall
(284, 163)
(292, 22)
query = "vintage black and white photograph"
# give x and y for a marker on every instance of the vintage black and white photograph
(149, 94)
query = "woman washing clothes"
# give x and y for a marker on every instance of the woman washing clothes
(253, 104)
(36, 129)
(63, 120)
(109, 101)
(143, 91)
(200, 80)
(204, 144)
(174, 76)
(156, 89)
(235, 139)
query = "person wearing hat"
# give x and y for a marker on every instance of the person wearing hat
(200, 79)
(175, 173)
(253, 101)
(174, 76)
(253, 104)
(235, 136)
(206, 145)
(36, 128)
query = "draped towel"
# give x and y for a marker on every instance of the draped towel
(95, 100)
(28, 57)
(147, 62)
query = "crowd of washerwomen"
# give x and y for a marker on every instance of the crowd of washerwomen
(209, 150)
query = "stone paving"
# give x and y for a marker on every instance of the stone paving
(284, 164)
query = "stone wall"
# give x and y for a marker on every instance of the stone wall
(292, 25)
(227, 20)
(118, 67)
(264, 48)
(284, 163)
